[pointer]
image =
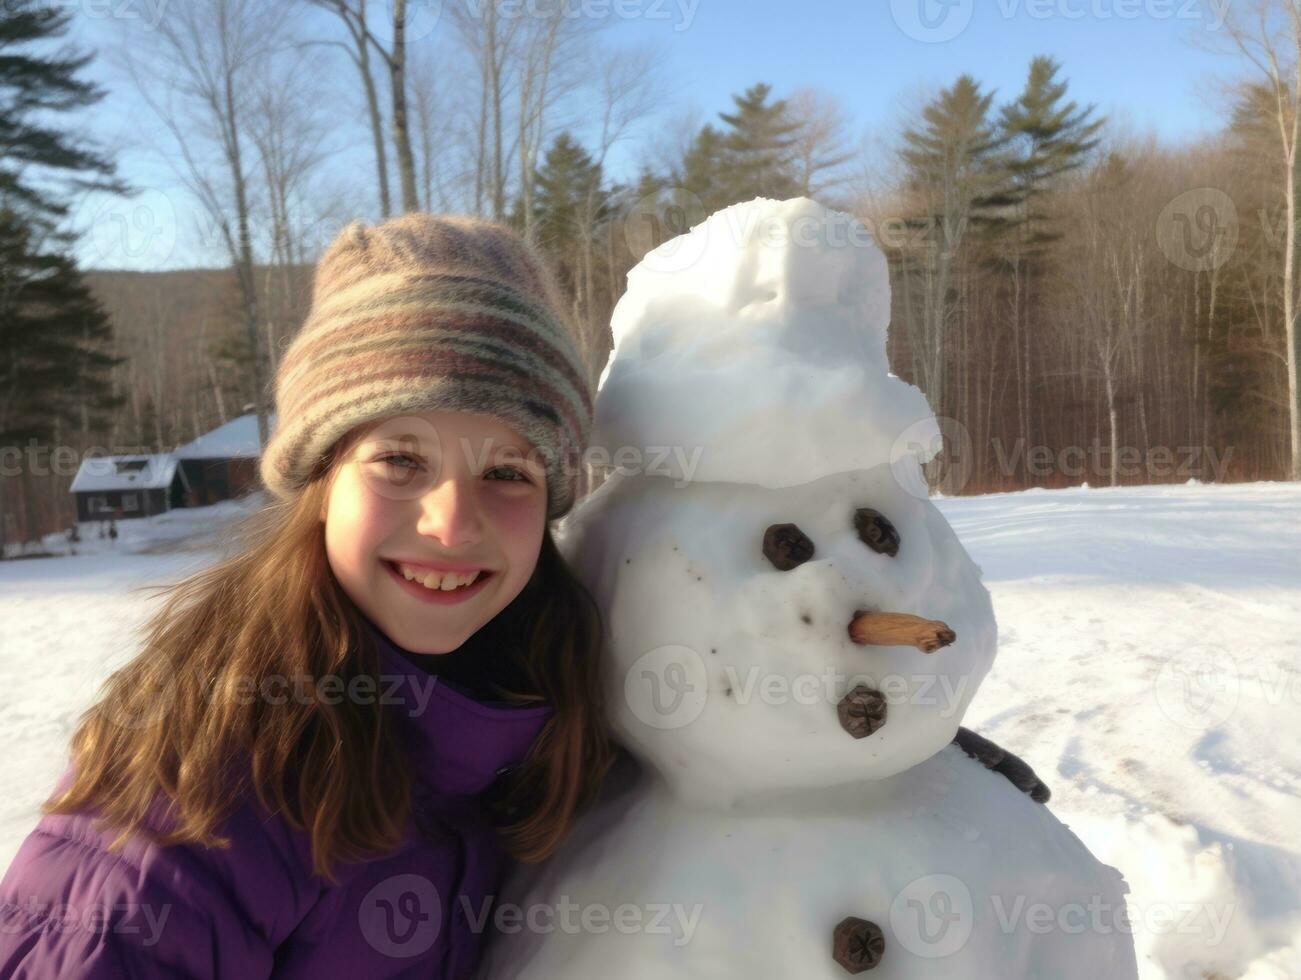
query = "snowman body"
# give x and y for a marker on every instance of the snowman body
(967, 879)
(791, 805)
(754, 824)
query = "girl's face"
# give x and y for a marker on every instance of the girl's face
(428, 490)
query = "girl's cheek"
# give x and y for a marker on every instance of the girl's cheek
(520, 522)
(515, 505)
(357, 515)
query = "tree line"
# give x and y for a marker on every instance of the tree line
(1079, 304)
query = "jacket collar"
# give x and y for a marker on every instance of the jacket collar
(459, 744)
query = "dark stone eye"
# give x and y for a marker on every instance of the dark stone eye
(786, 546)
(875, 530)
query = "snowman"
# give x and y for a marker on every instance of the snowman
(794, 634)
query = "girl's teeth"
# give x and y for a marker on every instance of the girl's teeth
(448, 582)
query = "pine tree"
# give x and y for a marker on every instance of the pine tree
(952, 163)
(654, 210)
(53, 370)
(561, 187)
(571, 209)
(54, 373)
(954, 182)
(31, 86)
(1049, 137)
(760, 146)
(1255, 134)
(1249, 316)
(705, 171)
(51, 332)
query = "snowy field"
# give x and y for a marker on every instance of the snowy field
(1149, 668)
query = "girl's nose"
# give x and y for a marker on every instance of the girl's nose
(450, 513)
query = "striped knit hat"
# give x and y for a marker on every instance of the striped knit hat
(445, 312)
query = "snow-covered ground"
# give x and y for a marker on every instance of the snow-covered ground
(66, 623)
(1149, 668)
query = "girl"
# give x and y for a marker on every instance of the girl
(332, 743)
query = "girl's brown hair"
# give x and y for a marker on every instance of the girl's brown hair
(179, 718)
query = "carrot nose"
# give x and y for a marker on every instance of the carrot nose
(888, 629)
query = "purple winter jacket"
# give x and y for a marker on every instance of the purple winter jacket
(71, 909)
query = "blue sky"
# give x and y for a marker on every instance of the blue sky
(1115, 53)
(1144, 62)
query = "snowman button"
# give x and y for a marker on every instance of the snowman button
(857, 944)
(861, 711)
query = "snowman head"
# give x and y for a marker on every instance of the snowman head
(769, 639)
(785, 606)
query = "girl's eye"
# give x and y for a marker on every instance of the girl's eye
(392, 457)
(518, 476)
(399, 461)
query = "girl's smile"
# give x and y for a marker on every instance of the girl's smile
(437, 591)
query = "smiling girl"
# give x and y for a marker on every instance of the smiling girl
(332, 743)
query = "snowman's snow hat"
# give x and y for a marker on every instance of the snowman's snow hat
(754, 346)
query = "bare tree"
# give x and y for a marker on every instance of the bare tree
(352, 13)
(290, 135)
(206, 56)
(490, 39)
(435, 133)
(1105, 284)
(820, 149)
(627, 83)
(670, 142)
(953, 169)
(548, 53)
(396, 58)
(210, 374)
(1268, 34)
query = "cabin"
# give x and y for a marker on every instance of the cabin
(222, 464)
(219, 465)
(126, 486)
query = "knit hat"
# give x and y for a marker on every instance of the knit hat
(445, 312)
